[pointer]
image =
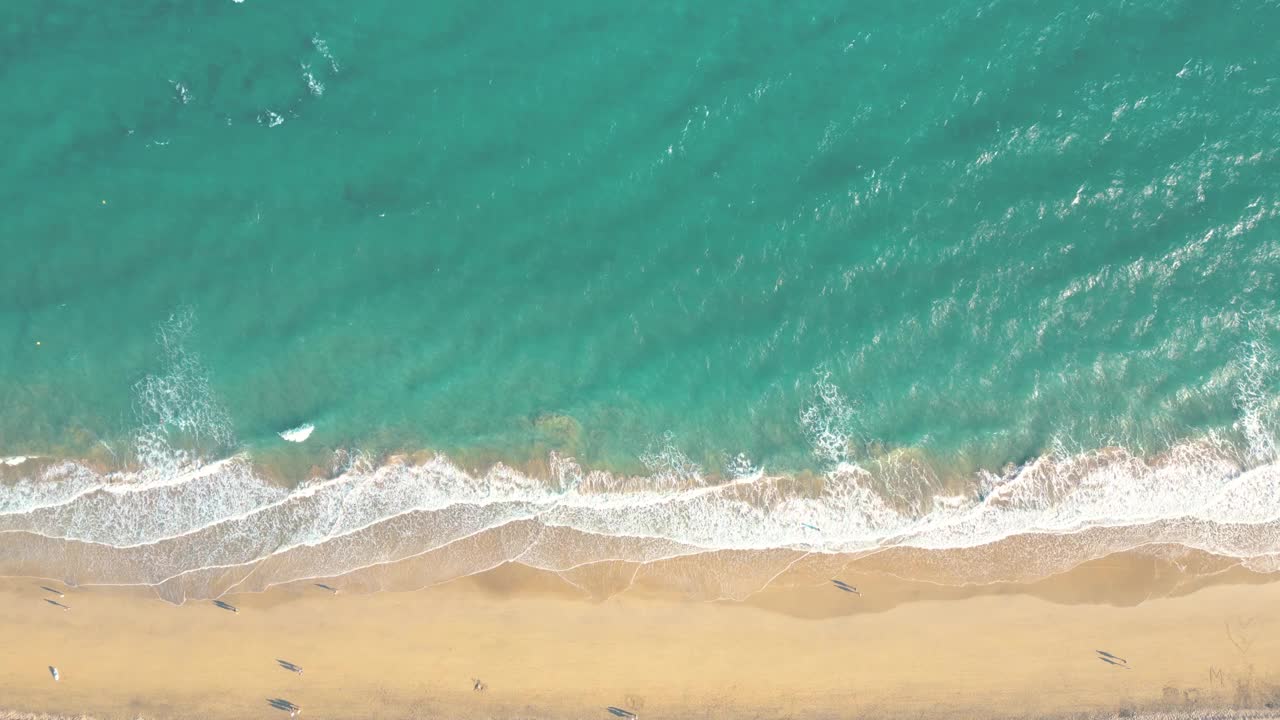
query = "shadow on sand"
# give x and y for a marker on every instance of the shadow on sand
(285, 705)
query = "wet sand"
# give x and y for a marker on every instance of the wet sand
(543, 649)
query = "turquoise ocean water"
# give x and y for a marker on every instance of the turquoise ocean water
(673, 239)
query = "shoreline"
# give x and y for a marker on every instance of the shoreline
(1165, 571)
(545, 649)
(605, 566)
(208, 529)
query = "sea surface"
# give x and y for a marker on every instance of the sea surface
(312, 287)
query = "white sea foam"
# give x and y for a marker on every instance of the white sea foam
(1255, 404)
(314, 86)
(298, 434)
(15, 460)
(179, 418)
(194, 528)
(322, 47)
(828, 421)
(222, 516)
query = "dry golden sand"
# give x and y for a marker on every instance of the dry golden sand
(904, 649)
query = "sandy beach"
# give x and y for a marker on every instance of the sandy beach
(543, 649)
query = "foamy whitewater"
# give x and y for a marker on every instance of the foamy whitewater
(298, 434)
(219, 527)
(195, 528)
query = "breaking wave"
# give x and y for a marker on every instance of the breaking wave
(195, 528)
(222, 526)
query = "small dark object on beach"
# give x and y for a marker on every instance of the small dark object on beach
(845, 587)
(620, 712)
(330, 588)
(226, 606)
(291, 667)
(1104, 653)
(55, 603)
(48, 589)
(478, 685)
(1113, 662)
(285, 705)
